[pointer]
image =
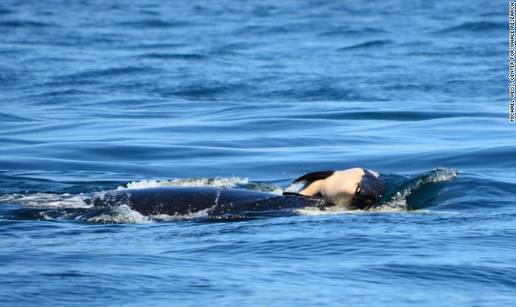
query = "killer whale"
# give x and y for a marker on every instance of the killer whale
(217, 202)
(226, 202)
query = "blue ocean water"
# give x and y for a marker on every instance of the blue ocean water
(100, 95)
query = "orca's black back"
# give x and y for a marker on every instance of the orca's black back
(187, 200)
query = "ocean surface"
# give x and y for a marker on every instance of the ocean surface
(100, 95)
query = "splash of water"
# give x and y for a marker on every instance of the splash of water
(196, 182)
(47, 200)
(398, 202)
(119, 215)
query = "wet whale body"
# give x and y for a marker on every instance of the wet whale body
(214, 202)
(210, 203)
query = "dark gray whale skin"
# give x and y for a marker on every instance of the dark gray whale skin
(219, 202)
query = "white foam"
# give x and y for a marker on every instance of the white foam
(442, 175)
(47, 200)
(197, 182)
(194, 215)
(310, 211)
(313, 211)
(121, 214)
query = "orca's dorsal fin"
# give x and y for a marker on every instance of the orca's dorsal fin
(314, 176)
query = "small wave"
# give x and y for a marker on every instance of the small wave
(231, 48)
(24, 24)
(220, 182)
(322, 90)
(110, 72)
(156, 46)
(174, 56)
(368, 44)
(154, 23)
(6, 117)
(392, 115)
(196, 182)
(272, 29)
(205, 90)
(349, 32)
(493, 157)
(480, 26)
(399, 201)
(5, 11)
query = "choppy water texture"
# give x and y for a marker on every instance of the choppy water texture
(98, 95)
